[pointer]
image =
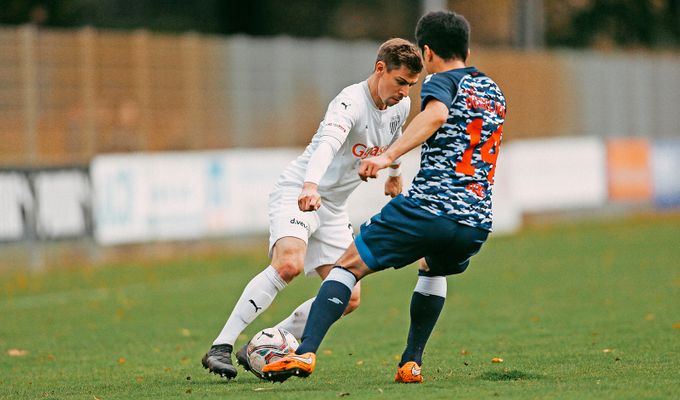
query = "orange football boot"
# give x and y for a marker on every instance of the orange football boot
(409, 373)
(300, 365)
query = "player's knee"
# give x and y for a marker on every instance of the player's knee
(288, 261)
(289, 267)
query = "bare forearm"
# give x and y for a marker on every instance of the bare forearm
(421, 128)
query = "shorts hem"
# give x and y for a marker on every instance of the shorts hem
(366, 254)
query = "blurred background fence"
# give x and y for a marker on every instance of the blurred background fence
(68, 95)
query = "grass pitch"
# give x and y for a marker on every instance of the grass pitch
(576, 311)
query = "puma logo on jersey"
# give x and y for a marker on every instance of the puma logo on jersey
(336, 300)
(255, 305)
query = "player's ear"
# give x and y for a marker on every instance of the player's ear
(380, 66)
(427, 53)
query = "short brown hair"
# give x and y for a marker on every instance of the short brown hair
(397, 52)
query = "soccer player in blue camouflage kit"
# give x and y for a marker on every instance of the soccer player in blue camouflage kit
(446, 216)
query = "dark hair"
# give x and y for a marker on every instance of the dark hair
(397, 52)
(446, 33)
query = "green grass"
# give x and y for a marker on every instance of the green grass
(577, 311)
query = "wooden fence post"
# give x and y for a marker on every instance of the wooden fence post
(29, 80)
(86, 39)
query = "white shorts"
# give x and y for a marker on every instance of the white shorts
(327, 233)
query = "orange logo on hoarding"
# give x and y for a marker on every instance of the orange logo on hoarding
(628, 170)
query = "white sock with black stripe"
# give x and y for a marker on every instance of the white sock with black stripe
(257, 296)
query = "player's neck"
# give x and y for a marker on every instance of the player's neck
(373, 89)
(440, 65)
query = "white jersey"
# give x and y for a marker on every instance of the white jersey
(361, 129)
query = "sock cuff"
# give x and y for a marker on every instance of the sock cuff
(275, 278)
(343, 276)
(431, 285)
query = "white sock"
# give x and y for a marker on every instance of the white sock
(343, 276)
(431, 285)
(257, 296)
(295, 323)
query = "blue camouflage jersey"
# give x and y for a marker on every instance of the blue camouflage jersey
(458, 161)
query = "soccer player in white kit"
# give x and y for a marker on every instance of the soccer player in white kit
(309, 226)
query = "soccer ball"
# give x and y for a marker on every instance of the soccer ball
(269, 345)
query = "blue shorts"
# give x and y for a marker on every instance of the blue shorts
(403, 233)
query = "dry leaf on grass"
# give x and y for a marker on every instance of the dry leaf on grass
(17, 352)
(496, 360)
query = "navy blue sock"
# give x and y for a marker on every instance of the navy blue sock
(327, 308)
(425, 310)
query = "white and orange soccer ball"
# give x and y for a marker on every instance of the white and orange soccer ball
(269, 345)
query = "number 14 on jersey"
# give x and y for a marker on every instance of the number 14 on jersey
(488, 150)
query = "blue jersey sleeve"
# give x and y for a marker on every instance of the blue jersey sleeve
(439, 87)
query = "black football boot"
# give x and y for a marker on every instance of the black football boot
(218, 361)
(242, 357)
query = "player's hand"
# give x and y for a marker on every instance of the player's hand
(393, 186)
(370, 166)
(309, 199)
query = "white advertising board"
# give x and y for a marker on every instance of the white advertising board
(16, 201)
(62, 200)
(666, 173)
(145, 197)
(556, 174)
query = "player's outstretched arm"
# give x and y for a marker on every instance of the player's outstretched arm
(422, 127)
(309, 198)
